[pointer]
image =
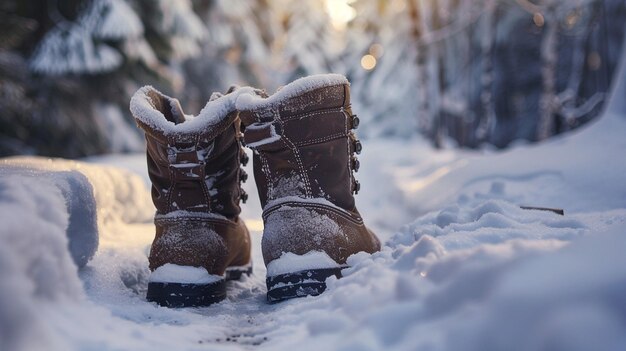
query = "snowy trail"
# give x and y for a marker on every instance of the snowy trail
(434, 270)
(245, 319)
(460, 257)
(473, 272)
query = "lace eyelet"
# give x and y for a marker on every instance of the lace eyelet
(244, 159)
(357, 147)
(355, 121)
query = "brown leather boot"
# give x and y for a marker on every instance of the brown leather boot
(194, 166)
(304, 160)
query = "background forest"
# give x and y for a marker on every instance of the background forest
(468, 73)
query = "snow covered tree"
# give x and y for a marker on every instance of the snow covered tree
(236, 49)
(264, 43)
(380, 61)
(307, 43)
(487, 46)
(16, 105)
(486, 71)
(77, 47)
(86, 58)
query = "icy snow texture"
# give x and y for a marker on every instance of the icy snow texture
(172, 273)
(290, 262)
(290, 185)
(283, 227)
(489, 221)
(293, 89)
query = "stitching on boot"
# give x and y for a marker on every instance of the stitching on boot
(181, 220)
(294, 150)
(266, 171)
(346, 215)
(203, 186)
(322, 139)
(265, 165)
(314, 113)
(170, 191)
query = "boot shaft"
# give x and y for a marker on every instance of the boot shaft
(193, 162)
(303, 143)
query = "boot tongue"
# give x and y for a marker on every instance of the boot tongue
(176, 114)
(169, 107)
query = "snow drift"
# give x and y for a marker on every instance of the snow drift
(49, 230)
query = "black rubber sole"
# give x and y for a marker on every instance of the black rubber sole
(299, 284)
(186, 295)
(177, 295)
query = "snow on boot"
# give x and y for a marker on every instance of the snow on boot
(194, 166)
(304, 160)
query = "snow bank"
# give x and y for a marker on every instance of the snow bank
(35, 263)
(53, 215)
(77, 201)
(120, 196)
(459, 284)
(581, 171)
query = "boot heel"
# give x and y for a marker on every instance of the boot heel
(186, 295)
(311, 282)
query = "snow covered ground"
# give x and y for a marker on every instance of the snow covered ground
(463, 267)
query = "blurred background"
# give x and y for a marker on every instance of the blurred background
(460, 73)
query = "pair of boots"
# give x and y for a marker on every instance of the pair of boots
(303, 159)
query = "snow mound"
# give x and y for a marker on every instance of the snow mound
(120, 196)
(449, 285)
(471, 223)
(54, 214)
(35, 264)
(77, 199)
